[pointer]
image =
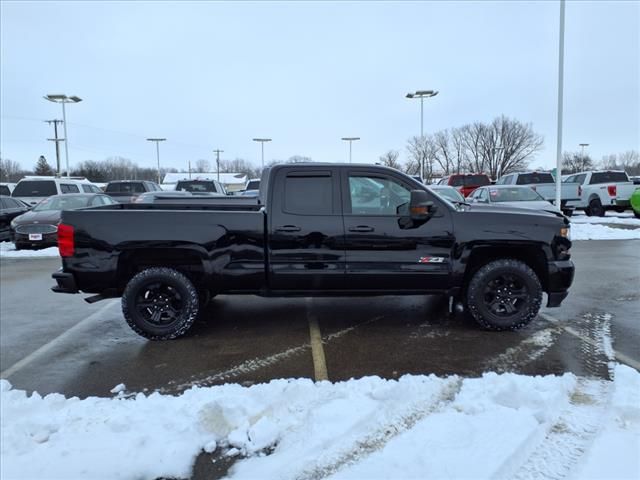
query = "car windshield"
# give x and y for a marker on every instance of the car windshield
(125, 187)
(530, 178)
(470, 181)
(196, 186)
(513, 195)
(67, 202)
(35, 188)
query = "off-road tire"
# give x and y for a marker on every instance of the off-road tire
(476, 296)
(174, 280)
(595, 208)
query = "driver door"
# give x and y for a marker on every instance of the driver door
(381, 254)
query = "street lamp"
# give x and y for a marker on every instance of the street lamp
(262, 142)
(64, 99)
(350, 140)
(498, 166)
(157, 140)
(421, 94)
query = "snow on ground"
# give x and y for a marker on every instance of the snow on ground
(609, 219)
(8, 250)
(414, 427)
(589, 231)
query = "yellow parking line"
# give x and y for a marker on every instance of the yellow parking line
(317, 350)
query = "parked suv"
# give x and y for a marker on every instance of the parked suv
(600, 191)
(126, 191)
(33, 189)
(466, 183)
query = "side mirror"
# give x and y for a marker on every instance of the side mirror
(421, 208)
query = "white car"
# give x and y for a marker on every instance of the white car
(33, 189)
(601, 191)
(519, 196)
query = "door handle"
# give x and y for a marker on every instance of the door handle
(288, 228)
(362, 229)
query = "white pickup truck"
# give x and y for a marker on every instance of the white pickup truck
(601, 191)
(544, 184)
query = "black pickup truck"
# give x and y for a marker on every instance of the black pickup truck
(315, 230)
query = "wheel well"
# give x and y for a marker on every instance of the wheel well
(531, 256)
(185, 261)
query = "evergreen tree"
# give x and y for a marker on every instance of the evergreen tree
(43, 168)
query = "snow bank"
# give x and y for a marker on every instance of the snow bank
(417, 426)
(588, 231)
(611, 220)
(8, 250)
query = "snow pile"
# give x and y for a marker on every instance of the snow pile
(589, 231)
(8, 250)
(417, 426)
(607, 220)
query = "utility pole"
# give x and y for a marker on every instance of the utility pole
(218, 152)
(57, 140)
(560, 106)
(189, 169)
(157, 141)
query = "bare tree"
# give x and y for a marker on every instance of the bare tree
(445, 151)
(628, 161)
(422, 150)
(519, 145)
(574, 162)
(240, 165)
(299, 159)
(10, 170)
(202, 166)
(390, 159)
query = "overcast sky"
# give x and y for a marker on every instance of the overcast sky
(214, 75)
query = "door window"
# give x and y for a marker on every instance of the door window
(373, 195)
(308, 195)
(69, 188)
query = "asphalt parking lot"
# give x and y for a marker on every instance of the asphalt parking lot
(58, 343)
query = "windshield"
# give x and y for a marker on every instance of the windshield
(35, 188)
(125, 187)
(470, 181)
(196, 186)
(513, 195)
(253, 185)
(450, 194)
(68, 202)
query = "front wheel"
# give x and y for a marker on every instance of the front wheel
(504, 295)
(595, 208)
(160, 303)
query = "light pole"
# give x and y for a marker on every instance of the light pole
(498, 166)
(64, 99)
(582, 146)
(218, 152)
(157, 140)
(350, 140)
(560, 104)
(422, 94)
(262, 142)
(57, 140)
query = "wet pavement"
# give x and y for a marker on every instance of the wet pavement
(58, 343)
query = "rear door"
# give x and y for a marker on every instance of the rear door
(381, 254)
(306, 232)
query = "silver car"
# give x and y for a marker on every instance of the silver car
(520, 196)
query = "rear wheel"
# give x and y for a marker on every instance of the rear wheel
(160, 303)
(595, 208)
(504, 295)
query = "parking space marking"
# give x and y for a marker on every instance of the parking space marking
(621, 357)
(317, 350)
(47, 347)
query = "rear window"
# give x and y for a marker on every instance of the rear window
(35, 188)
(253, 185)
(308, 195)
(194, 186)
(125, 187)
(531, 178)
(469, 181)
(4, 190)
(608, 177)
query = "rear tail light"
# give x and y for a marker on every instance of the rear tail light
(612, 189)
(66, 242)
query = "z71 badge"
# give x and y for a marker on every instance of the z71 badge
(431, 260)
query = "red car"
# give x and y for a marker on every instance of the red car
(466, 183)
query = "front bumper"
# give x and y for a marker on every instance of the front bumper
(66, 283)
(560, 279)
(21, 240)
